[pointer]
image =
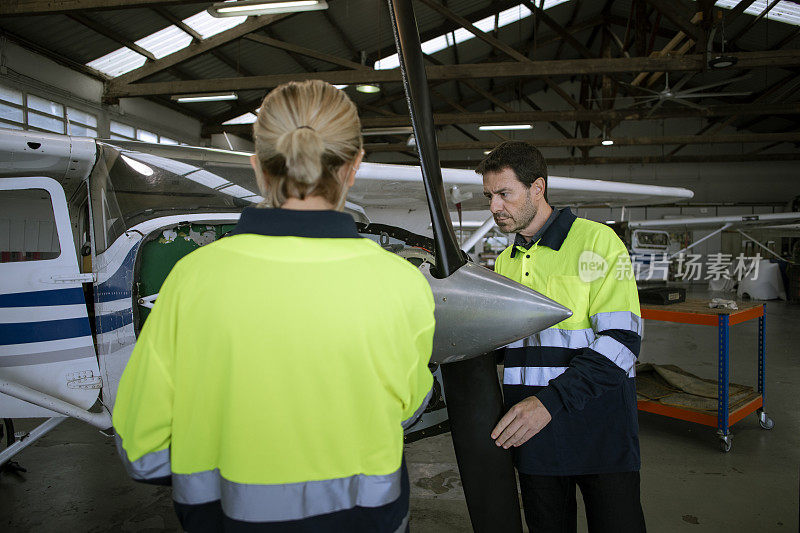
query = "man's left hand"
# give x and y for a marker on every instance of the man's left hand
(521, 422)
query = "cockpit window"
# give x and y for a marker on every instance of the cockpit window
(130, 187)
(652, 238)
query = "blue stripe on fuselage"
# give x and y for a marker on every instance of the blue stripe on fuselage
(112, 321)
(49, 330)
(70, 296)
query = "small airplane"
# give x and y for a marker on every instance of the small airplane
(93, 228)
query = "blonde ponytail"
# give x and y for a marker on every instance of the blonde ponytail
(304, 133)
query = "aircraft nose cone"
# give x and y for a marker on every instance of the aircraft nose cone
(478, 311)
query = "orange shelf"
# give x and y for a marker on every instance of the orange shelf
(700, 417)
(697, 312)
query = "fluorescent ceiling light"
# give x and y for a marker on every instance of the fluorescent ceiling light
(504, 18)
(340, 86)
(607, 142)
(487, 152)
(264, 7)
(501, 127)
(368, 88)
(400, 130)
(188, 98)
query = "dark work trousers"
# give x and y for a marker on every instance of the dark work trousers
(611, 500)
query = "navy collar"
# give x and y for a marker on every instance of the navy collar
(278, 222)
(556, 232)
(521, 241)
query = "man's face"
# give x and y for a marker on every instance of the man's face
(510, 201)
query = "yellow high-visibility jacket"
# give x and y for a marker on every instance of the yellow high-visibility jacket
(581, 369)
(274, 375)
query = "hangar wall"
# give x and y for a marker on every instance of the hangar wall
(36, 74)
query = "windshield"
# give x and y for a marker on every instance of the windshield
(652, 239)
(130, 187)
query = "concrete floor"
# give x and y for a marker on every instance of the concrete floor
(75, 482)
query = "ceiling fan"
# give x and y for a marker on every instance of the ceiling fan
(682, 96)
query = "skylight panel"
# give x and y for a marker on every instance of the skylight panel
(787, 12)
(165, 42)
(247, 118)
(118, 62)
(206, 25)
(486, 25)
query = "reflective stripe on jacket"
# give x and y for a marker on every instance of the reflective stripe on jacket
(271, 381)
(582, 369)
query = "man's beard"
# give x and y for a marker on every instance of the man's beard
(521, 221)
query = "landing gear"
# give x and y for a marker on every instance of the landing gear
(7, 435)
(764, 421)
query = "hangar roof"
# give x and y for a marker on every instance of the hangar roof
(607, 64)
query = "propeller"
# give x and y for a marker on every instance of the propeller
(474, 401)
(449, 257)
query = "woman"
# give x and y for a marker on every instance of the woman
(272, 380)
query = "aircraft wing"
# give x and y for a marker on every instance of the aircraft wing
(735, 221)
(381, 185)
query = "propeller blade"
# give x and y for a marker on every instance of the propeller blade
(449, 257)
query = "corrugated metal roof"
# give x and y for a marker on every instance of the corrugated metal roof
(365, 23)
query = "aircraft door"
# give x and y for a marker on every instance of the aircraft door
(45, 337)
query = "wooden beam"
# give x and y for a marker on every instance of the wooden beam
(104, 31)
(734, 13)
(50, 7)
(679, 13)
(340, 33)
(195, 49)
(559, 29)
(618, 141)
(233, 65)
(196, 37)
(613, 115)
(570, 67)
(759, 98)
(302, 50)
(169, 17)
(645, 160)
(752, 23)
(55, 56)
(498, 45)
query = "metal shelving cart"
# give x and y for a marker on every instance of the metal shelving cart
(697, 312)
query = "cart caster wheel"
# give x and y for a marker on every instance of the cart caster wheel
(725, 442)
(725, 446)
(765, 421)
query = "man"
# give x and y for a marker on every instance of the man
(570, 389)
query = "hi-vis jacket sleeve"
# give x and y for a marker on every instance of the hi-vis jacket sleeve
(617, 324)
(143, 408)
(420, 379)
